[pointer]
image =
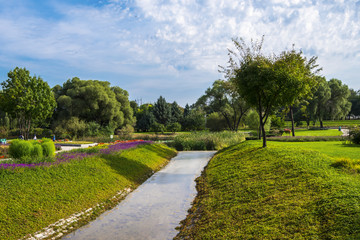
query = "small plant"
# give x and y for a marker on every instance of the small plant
(354, 135)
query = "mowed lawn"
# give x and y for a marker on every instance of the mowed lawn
(305, 132)
(286, 191)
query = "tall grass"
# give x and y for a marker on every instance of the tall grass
(206, 140)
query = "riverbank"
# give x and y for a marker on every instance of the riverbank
(33, 198)
(282, 192)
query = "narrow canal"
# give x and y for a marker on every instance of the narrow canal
(155, 208)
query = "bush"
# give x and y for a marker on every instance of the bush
(206, 140)
(4, 132)
(27, 150)
(125, 132)
(19, 148)
(354, 134)
(48, 147)
(174, 127)
(158, 127)
(215, 122)
(37, 151)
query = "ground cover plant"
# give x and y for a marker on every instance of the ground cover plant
(284, 191)
(207, 140)
(34, 196)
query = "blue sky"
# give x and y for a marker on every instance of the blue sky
(170, 48)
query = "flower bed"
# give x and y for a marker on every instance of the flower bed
(74, 155)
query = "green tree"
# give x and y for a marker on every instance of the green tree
(354, 98)
(194, 121)
(317, 109)
(339, 104)
(145, 118)
(93, 101)
(28, 99)
(268, 83)
(176, 113)
(162, 111)
(223, 98)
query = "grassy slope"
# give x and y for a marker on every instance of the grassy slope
(280, 192)
(31, 199)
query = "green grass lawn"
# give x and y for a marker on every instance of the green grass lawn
(33, 198)
(285, 191)
(305, 132)
(330, 123)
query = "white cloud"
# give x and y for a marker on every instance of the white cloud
(181, 40)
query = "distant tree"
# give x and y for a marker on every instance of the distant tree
(339, 104)
(145, 118)
(176, 113)
(223, 98)
(93, 101)
(186, 110)
(354, 98)
(28, 99)
(162, 111)
(122, 96)
(318, 105)
(216, 122)
(194, 121)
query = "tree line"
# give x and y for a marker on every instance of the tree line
(257, 90)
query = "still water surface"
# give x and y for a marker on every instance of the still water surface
(155, 208)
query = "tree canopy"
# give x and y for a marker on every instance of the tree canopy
(223, 98)
(28, 99)
(93, 101)
(268, 83)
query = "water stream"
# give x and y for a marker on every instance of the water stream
(155, 208)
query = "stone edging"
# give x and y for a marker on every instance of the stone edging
(63, 226)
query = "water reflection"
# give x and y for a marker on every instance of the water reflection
(154, 209)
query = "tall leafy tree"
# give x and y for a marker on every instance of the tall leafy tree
(339, 104)
(145, 118)
(162, 111)
(318, 105)
(93, 101)
(354, 98)
(28, 99)
(267, 83)
(176, 113)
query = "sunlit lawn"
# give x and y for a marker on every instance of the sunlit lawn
(305, 132)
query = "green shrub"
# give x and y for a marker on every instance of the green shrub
(48, 147)
(20, 148)
(354, 135)
(37, 151)
(174, 127)
(206, 140)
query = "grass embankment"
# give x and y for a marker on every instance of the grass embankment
(280, 192)
(33, 198)
(207, 140)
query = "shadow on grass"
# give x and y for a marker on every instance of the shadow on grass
(132, 170)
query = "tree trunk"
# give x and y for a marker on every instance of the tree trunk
(321, 124)
(263, 133)
(292, 121)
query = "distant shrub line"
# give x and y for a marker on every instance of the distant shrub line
(206, 140)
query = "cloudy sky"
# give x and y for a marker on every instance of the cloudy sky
(170, 48)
